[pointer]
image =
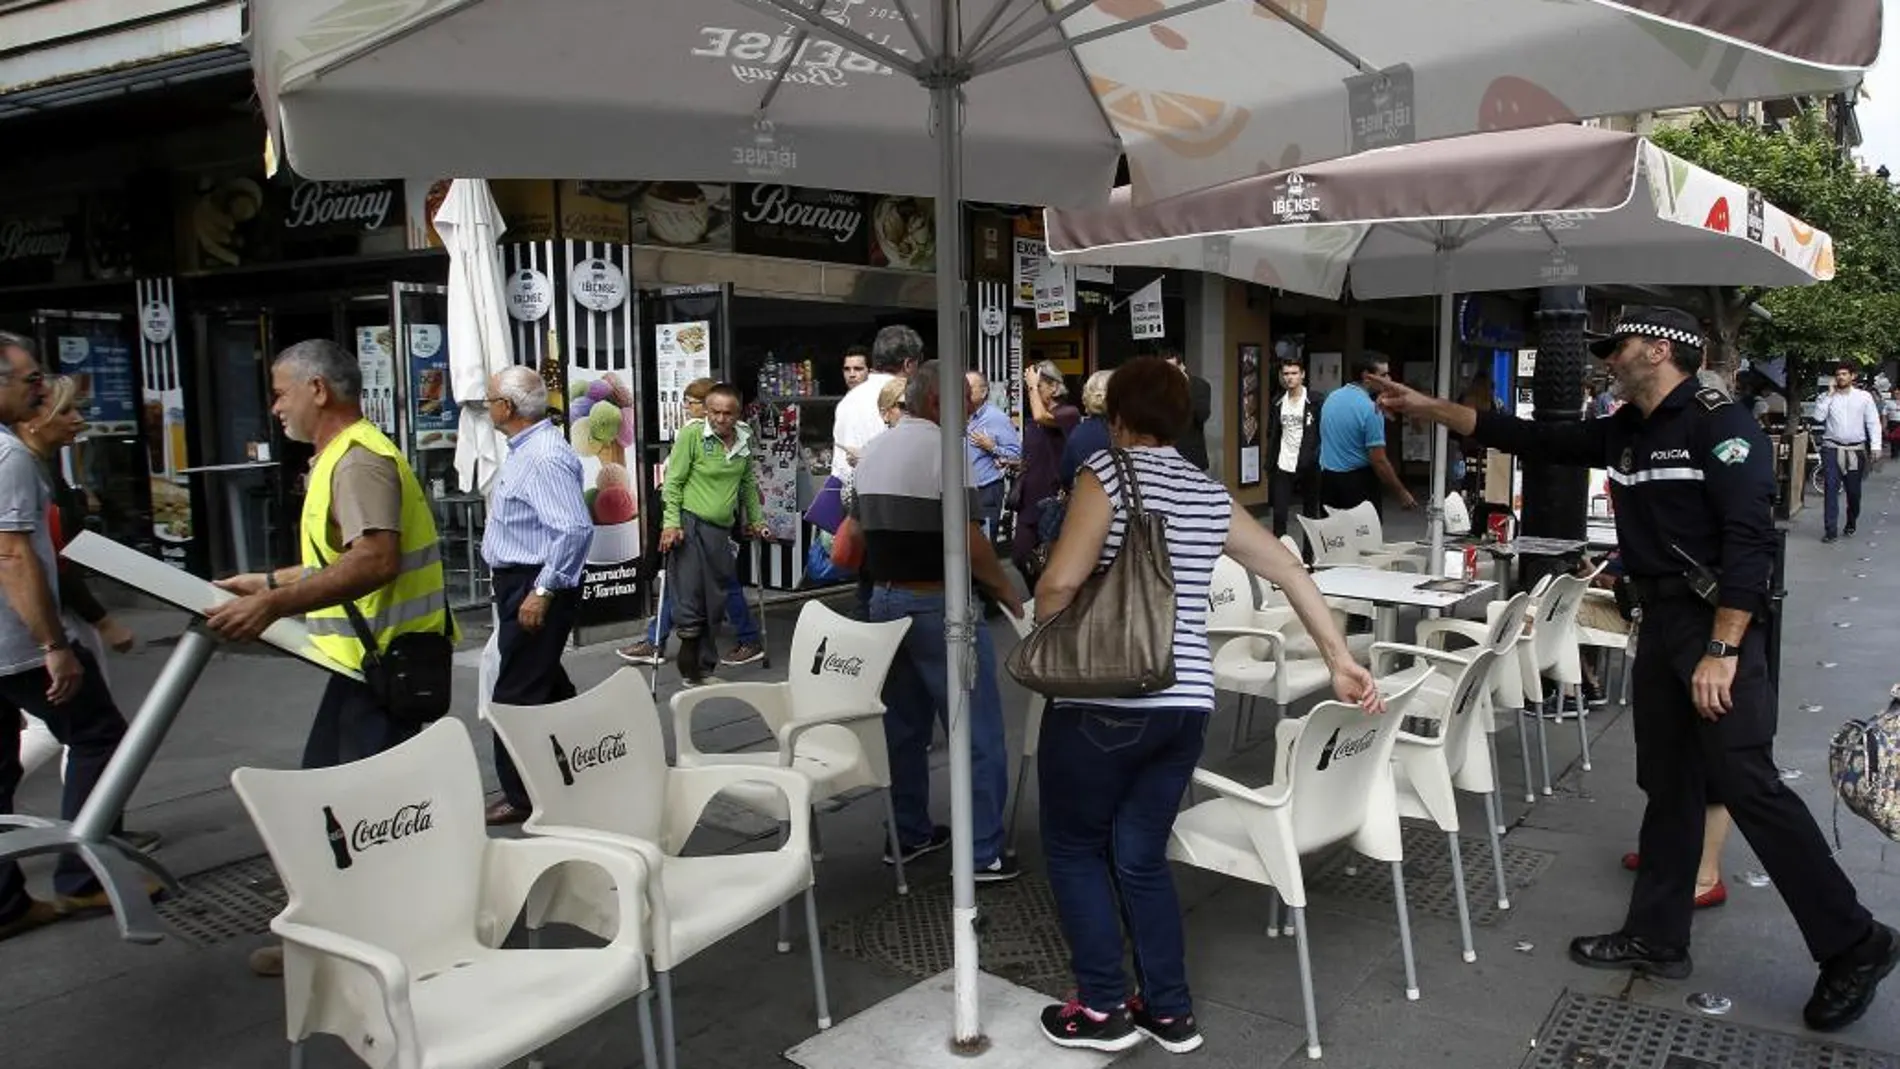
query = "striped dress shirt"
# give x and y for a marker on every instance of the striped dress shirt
(536, 514)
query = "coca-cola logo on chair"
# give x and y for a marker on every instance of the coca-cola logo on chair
(835, 663)
(602, 751)
(406, 822)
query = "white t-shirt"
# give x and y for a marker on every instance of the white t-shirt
(1292, 429)
(1849, 418)
(856, 421)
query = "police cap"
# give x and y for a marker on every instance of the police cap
(1664, 324)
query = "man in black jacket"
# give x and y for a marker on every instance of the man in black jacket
(1293, 446)
(1193, 440)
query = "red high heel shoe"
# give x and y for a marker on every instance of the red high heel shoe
(1708, 899)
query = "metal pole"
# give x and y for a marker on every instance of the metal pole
(148, 728)
(945, 83)
(1441, 438)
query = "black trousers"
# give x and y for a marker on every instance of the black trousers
(530, 672)
(351, 725)
(1347, 489)
(90, 726)
(1283, 485)
(1683, 761)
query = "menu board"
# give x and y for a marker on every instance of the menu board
(682, 353)
(433, 414)
(375, 355)
(100, 364)
(1250, 405)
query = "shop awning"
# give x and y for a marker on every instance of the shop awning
(80, 51)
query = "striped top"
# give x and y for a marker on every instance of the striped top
(536, 514)
(1197, 510)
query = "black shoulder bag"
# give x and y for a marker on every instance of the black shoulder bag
(411, 678)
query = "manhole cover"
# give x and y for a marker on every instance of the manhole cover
(1428, 886)
(222, 904)
(1591, 1030)
(1018, 934)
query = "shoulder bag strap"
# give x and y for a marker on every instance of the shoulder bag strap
(361, 626)
(1131, 488)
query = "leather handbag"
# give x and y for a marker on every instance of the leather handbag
(1116, 639)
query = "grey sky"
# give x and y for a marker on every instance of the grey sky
(1880, 113)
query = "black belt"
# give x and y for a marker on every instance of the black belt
(1661, 588)
(516, 569)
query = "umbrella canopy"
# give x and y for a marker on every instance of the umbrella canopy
(479, 342)
(832, 93)
(1556, 206)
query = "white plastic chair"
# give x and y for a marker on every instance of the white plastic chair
(1252, 654)
(826, 719)
(1333, 782)
(1033, 707)
(1334, 544)
(1365, 534)
(1431, 768)
(399, 903)
(1555, 654)
(1504, 634)
(595, 767)
(1457, 518)
(1617, 642)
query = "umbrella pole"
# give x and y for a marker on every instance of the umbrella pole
(959, 622)
(1441, 438)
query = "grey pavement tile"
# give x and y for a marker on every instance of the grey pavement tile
(1383, 1031)
(1235, 1039)
(1231, 960)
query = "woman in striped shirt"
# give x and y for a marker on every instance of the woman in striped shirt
(1113, 771)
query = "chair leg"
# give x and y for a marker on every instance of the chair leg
(535, 1060)
(649, 1055)
(1497, 859)
(817, 840)
(669, 1049)
(1524, 745)
(1016, 803)
(1543, 750)
(1629, 665)
(897, 847)
(1240, 716)
(817, 958)
(1583, 727)
(1273, 913)
(1458, 886)
(1495, 806)
(784, 908)
(1306, 981)
(1405, 930)
(296, 1055)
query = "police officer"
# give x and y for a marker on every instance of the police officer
(1692, 484)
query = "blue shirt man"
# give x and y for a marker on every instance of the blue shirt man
(991, 441)
(1352, 455)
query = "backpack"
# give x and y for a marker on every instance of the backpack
(1864, 763)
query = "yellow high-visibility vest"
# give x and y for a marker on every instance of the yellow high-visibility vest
(417, 599)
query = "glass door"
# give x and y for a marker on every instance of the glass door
(428, 418)
(236, 462)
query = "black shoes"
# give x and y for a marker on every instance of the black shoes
(690, 668)
(939, 838)
(1848, 981)
(1618, 950)
(1074, 1025)
(1002, 870)
(1828, 539)
(1848, 531)
(1176, 1035)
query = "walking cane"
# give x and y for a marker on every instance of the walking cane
(659, 613)
(758, 580)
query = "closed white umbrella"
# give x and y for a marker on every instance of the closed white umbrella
(1024, 101)
(479, 341)
(1557, 206)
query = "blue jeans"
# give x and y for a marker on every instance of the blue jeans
(914, 702)
(737, 611)
(1111, 781)
(1834, 478)
(989, 508)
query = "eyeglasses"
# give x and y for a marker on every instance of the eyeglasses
(37, 378)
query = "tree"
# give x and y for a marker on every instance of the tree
(1802, 171)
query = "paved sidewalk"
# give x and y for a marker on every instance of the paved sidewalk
(74, 995)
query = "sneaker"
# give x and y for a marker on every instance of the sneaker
(1827, 539)
(939, 838)
(38, 915)
(1074, 1025)
(268, 962)
(1849, 980)
(74, 906)
(1594, 696)
(1848, 530)
(1177, 1035)
(743, 653)
(1002, 870)
(1618, 950)
(643, 652)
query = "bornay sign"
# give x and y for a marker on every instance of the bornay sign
(340, 205)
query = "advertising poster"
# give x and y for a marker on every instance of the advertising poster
(678, 215)
(162, 416)
(601, 424)
(1250, 406)
(682, 353)
(808, 224)
(904, 233)
(100, 363)
(432, 408)
(775, 464)
(375, 354)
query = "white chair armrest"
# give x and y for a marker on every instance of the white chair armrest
(513, 866)
(789, 733)
(772, 701)
(1392, 562)
(389, 972)
(1436, 658)
(689, 790)
(1228, 788)
(1432, 633)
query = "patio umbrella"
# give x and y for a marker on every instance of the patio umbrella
(479, 342)
(1556, 206)
(1032, 100)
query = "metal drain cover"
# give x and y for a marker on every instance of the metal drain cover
(1428, 886)
(232, 902)
(1592, 1030)
(1019, 937)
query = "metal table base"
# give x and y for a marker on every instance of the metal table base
(120, 867)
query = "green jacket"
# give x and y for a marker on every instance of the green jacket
(705, 478)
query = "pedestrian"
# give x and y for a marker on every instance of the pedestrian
(856, 366)
(535, 545)
(1091, 435)
(860, 417)
(1293, 443)
(43, 673)
(711, 492)
(1352, 454)
(1890, 416)
(1850, 431)
(993, 444)
(748, 642)
(1112, 771)
(1046, 431)
(1693, 482)
(369, 546)
(890, 401)
(898, 505)
(1192, 439)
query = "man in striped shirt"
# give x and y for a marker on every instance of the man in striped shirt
(536, 545)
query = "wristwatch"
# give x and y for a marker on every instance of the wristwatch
(542, 592)
(55, 647)
(1718, 648)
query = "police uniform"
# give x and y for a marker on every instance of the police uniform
(1693, 488)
